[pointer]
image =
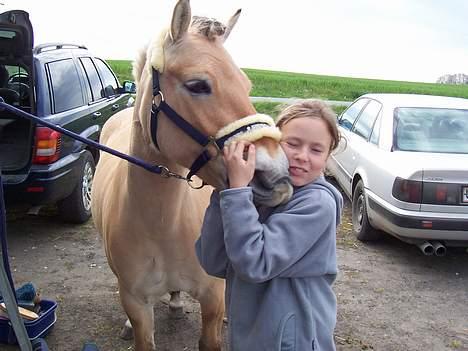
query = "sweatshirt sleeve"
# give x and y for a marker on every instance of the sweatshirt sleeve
(209, 247)
(261, 251)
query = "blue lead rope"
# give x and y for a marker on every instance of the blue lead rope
(149, 167)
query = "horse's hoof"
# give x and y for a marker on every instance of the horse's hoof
(126, 333)
(176, 306)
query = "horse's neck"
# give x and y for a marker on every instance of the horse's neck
(140, 143)
(143, 181)
(140, 138)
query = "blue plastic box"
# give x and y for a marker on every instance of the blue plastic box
(36, 328)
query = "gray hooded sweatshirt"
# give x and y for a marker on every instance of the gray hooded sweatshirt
(279, 265)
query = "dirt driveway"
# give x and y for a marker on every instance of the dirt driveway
(390, 296)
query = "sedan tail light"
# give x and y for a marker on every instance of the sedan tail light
(47, 147)
(427, 192)
(442, 193)
(407, 190)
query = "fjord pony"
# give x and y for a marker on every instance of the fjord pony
(149, 223)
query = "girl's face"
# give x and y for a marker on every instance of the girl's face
(306, 142)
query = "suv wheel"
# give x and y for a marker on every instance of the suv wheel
(361, 225)
(76, 208)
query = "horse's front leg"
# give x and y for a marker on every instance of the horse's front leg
(141, 317)
(212, 309)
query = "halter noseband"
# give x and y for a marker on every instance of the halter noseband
(191, 131)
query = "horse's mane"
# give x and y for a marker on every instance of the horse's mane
(209, 27)
(139, 64)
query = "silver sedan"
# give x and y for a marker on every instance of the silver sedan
(403, 162)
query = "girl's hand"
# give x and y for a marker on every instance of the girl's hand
(240, 171)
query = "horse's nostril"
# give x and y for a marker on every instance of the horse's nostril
(261, 178)
(269, 180)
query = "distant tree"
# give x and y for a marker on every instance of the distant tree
(457, 78)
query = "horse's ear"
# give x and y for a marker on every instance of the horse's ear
(181, 19)
(231, 24)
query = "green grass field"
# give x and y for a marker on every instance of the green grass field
(285, 84)
(123, 69)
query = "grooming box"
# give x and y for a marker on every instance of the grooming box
(35, 328)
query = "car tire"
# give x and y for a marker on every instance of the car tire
(361, 225)
(76, 208)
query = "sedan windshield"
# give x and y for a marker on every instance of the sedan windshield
(431, 130)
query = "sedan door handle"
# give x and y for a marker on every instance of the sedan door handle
(97, 114)
(115, 107)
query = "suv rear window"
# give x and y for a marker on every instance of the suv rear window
(7, 34)
(431, 130)
(65, 85)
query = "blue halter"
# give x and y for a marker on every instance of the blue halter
(190, 130)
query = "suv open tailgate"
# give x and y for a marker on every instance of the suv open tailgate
(16, 88)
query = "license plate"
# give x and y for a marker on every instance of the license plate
(465, 194)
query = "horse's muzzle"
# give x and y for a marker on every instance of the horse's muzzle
(271, 194)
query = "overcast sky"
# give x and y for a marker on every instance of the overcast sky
(411, 40)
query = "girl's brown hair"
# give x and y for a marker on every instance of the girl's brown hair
(312, 109)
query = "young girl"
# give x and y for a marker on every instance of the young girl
(279, 263)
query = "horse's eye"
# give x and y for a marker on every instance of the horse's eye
(198, 87)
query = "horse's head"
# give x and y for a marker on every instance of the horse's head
(187, 70)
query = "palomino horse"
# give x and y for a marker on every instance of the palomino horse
(150, 223)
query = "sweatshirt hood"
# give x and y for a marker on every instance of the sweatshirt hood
(321, 183)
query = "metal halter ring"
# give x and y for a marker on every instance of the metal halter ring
(212, 141)
(190, 181)
(160, 93)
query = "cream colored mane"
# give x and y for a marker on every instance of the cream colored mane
(139, 64)
(209, 27)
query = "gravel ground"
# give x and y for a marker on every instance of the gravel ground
(390, 296)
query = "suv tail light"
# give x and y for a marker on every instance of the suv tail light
(47, 147)
(407, 190)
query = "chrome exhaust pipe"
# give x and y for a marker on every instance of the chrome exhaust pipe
(439, 248)
(426, 248)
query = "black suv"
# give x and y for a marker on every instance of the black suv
(67, 86)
